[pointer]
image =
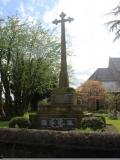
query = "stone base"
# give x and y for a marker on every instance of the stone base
(57, 117)
(64, 96)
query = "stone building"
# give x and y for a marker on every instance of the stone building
(110, 78)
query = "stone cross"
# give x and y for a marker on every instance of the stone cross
(63, 79)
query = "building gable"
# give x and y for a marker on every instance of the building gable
(110, 77)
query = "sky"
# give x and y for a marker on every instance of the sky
(88, 38)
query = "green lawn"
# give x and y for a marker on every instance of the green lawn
(115, 123)
(4, 124)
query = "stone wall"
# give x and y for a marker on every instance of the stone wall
(24, 143)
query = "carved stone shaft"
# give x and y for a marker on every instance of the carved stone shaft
(63, 79)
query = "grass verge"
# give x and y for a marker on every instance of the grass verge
(115, 123)
(4, 124)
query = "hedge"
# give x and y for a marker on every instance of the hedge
(20, 122)
(28, 143)
(94, 123)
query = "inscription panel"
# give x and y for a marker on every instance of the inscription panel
(57, 123)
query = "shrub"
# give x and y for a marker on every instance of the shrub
(87, 114)
(112, 115)
(102, 118)
(20, 122)
(92, 123)
(43, 102)
(34, 114)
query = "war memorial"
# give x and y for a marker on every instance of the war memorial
(63, 111)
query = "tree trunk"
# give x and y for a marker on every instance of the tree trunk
(2, 113)
(18, 107)
(8, 99)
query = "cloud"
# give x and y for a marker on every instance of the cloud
(27, 11)
(38, 2)
(33, 9)
(91, 42)
(22, 10)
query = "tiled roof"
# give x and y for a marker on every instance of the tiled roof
(102, 74)
(108, 75)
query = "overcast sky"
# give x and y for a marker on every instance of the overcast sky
(90, 41)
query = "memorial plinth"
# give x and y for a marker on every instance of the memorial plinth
(64, 96)
(58, 117)
(63, 112)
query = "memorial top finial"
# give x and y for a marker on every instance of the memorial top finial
(62, 15)
(62, 20)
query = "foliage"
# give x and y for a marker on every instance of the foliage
(87, 114)
(32, 115)
(43, 102)
(26, 115)
(29, 64)
(102, 118)
(112, 101)
(93, 123)
(112, 115)
(114, 25)
(91, 90)
(19, 122)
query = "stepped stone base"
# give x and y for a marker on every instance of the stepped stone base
(62, 114)
(59, 117)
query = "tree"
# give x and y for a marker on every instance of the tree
(114, 25)
(92, 94)
(113, 101)
(29, 63)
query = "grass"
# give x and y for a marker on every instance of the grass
(4, 124)
(115, 123)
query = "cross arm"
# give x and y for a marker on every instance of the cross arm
(56, 21)
(70, 19)
(65, 20)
